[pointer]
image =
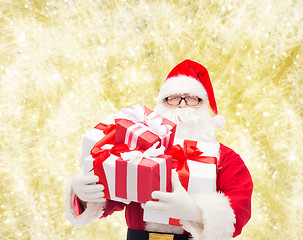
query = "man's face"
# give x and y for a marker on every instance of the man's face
(182, 101)
(191, 114)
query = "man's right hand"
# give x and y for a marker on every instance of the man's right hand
(85, 187)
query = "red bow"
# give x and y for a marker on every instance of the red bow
(109, 131)
(191, 152)
(100, 155)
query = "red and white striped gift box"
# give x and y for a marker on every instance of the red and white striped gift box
(131, 178)
(138, 126)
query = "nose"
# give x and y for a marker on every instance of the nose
(182, 104)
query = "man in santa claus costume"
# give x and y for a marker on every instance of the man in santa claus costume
(221, 215)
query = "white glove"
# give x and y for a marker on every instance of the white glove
(85, 187)
(177, 204)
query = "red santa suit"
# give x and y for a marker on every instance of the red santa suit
(224, 212)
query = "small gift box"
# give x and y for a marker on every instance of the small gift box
(130, 175)
(97, 156)
(104, 132)
(138, 126)
(196, 164)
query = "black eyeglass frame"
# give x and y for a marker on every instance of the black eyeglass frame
(183, 98)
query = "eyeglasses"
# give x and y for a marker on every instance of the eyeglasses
(189, 100)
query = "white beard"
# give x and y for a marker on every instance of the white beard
(192, 123)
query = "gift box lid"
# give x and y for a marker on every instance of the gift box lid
(93, 136)
(208, 149)
(87, 162)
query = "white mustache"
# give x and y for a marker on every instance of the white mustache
(192, 123)
(183, 115)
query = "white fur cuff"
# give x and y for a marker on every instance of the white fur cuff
(218, 218)
(93, 211)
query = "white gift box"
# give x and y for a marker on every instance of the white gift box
(109, 168)
(202, 177)
(93, 136)
(89, 140)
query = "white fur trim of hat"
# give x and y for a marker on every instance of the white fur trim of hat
(182, 84)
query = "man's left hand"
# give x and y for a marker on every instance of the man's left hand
(177, 204)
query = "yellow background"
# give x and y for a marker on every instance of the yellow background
(65, 65)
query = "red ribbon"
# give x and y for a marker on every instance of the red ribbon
(109, 131)
(189, 152)
(100, 155)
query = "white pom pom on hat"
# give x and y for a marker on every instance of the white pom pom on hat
(218, 121)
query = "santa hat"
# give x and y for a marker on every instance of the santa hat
(192, 78)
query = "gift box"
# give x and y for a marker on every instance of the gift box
(138, 126)
(196, 164)
(98, 133)
(130, 175)
(89, 165)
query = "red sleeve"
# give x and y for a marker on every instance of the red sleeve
(110, 207)
(235, 181)
(77, 206)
